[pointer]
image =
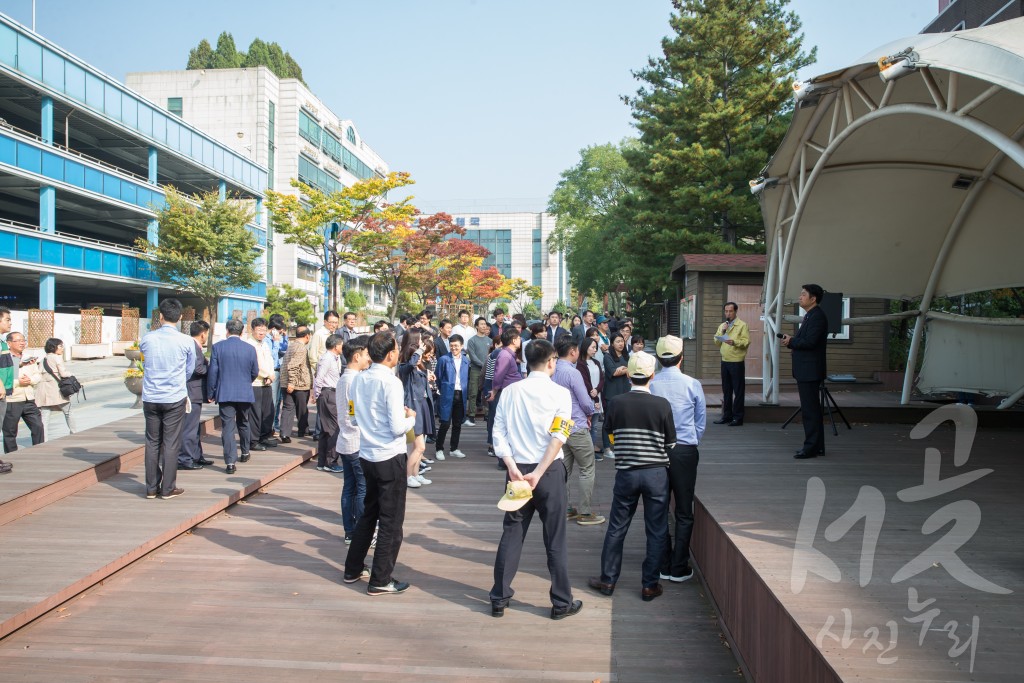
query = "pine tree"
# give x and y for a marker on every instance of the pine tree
(201, 56)
(226, 55)
(710, 112)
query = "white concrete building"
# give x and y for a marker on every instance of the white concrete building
(280, 124)
(518, 242)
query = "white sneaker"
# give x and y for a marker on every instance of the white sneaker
(413, 482)
(426, 460)
(439, 456)
(421, 479)
(609, 453)
(469, 423)
(425, 468)
(458, 454)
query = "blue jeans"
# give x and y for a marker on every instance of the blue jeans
(275, 391)
(651, 484)
(353, 492)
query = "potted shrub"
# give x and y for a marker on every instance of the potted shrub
(133, 380)
(132, 353)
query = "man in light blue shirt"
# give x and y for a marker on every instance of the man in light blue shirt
(377, 404)
(169, 359)
(578, 449)
(689, 411)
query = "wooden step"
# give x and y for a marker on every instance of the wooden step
(49, 472)
(81, 538)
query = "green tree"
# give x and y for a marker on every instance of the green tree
(710, 112)
(226, 56)
(201, 56)
(589, 208)
(318, 219)
(203, 248)
(521, 293)
(355, 301)
(291, 302)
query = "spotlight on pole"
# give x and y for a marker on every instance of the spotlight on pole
(897, 66)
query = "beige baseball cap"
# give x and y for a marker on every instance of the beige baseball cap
(641, 364)
(517, 493)
(669, 347)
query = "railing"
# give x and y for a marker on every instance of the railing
(4, 223)
(75, 153)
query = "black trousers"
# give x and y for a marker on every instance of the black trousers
(164, 422)
(549, 501)
(261, 414)
(682, 477)
(458, 416)
(328, 412)
(734, 386)
(295, 405)
(191, 447)
(386, 487)
(810, 414)
(234, 418)
(16, 412)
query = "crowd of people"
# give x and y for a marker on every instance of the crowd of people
(577, 393)
(29, 386)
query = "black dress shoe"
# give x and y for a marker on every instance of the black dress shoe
(723, 421)
(803, 455)
(204, 462)
(286, 439)
(268, 444)
(736, 423)
(257, 447)
(600, 586)
(193, 466)
(230, 469)
(648, 594)
(244, 457)
(563, 612)
(497, 610)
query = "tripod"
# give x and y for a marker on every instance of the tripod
(828, 405)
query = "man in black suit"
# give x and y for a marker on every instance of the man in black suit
(191, 455)
(808, 346)
(580, 331)
(233, 368)
(555, 329)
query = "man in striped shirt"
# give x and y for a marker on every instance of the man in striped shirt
(643, 432)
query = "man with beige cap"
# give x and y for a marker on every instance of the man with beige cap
(643, 432)
(689, 411)
(532, 422)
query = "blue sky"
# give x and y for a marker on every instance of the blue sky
(485, 102)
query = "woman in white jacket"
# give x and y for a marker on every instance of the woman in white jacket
(48, 394)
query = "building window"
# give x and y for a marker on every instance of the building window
(474, 220)
(174, 106)
(538, 257)
(307, 272)
(351, 135)
(309, 129)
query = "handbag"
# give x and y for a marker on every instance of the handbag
(68, 386)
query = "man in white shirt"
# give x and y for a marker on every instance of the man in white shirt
(532, 421)
(378, 403)
(261, 413)
(463, 328)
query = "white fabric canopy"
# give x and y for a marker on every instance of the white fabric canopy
(903, 187)
(883, 202)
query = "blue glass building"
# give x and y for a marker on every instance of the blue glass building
(83, 161)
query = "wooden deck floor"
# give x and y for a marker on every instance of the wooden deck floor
(255, 594)
(756, 492)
